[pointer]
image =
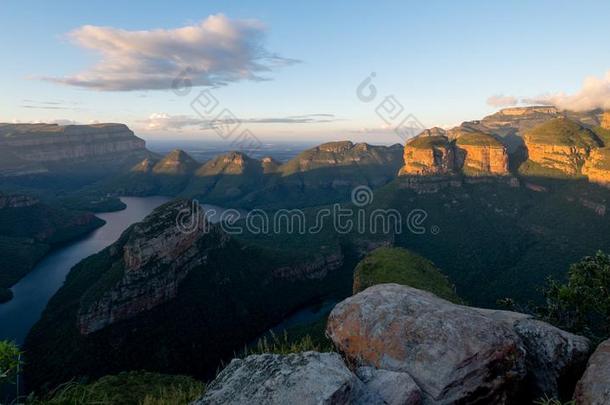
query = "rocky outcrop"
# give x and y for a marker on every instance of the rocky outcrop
(301, 378)
(560, 144)
(594, 386)
(150, 261)
(597, 166)
(317, 268)
(481, 154)
(428, 155)
(455, 354)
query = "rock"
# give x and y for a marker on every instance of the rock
(481, 154)
(605, 121)
(554, 359)
(150, 260)
(393, 387)
(300, 378)
(560, 144)
(597, 166)
(594, 386)
(428, 155)
(454, 353)
(177, 162)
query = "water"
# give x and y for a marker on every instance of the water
(32, 293)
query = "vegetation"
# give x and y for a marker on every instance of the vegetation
(126, 388)
(563, 132)
(283, 344)
(9, 361)
(552, 401)
(397, 265)
(426, 142)
(477, 139)
(582, 304)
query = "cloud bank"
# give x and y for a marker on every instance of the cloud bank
(163, 121)
(500, 100)
(214, 52)
(594, 94)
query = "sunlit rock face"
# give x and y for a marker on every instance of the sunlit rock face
(481, 154)
(597, 166)
(428, 155)
(561, 144)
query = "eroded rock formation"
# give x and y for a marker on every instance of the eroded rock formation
(428, 155)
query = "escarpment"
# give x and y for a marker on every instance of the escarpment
(472, 153)
(40, 147)
(148, 264)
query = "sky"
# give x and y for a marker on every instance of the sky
(297, 71)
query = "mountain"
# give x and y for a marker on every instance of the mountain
(471, 152)
(316, 176)
(29, 229)
(195, 297)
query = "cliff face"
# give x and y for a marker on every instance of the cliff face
(428, 155)
(481, 154)
(605, 121)
(597, 166)
(473, 153)
(561, 144)
(149, 264)
(31, 144)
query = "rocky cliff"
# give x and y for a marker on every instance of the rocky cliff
(149, 263)
(480, 154)
(597, 166)
(428, 155)
(33, 147)
(594, 386)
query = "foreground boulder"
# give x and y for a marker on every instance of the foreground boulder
(300, 378)
(594, 387)
(455, 353)
(393, 387)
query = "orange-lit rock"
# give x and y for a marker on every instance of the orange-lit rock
(597, 166)
(428, 155)
(481, 154)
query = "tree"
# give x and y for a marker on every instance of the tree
(9, 360)
(582, 305)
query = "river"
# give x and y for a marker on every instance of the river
(33, 292)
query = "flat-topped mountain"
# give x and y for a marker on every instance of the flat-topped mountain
(40, 148)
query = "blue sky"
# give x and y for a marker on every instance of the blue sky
(441, 60)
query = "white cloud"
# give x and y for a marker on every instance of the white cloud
(163, 121)
(595, 93)
(500, 100)
(214, 52)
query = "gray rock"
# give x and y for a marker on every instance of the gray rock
(554, 358)
(454, 353)
(594, 386)
(300, 378)
(395, 388)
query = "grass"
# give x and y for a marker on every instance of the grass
(563, 132)
(126, 388)
(285, 344)
(397, 265)
(425, 142)
(477, 139)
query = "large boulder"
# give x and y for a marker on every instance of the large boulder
(299, 378)
(454, 353)
(594, 386)
(393, 387)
